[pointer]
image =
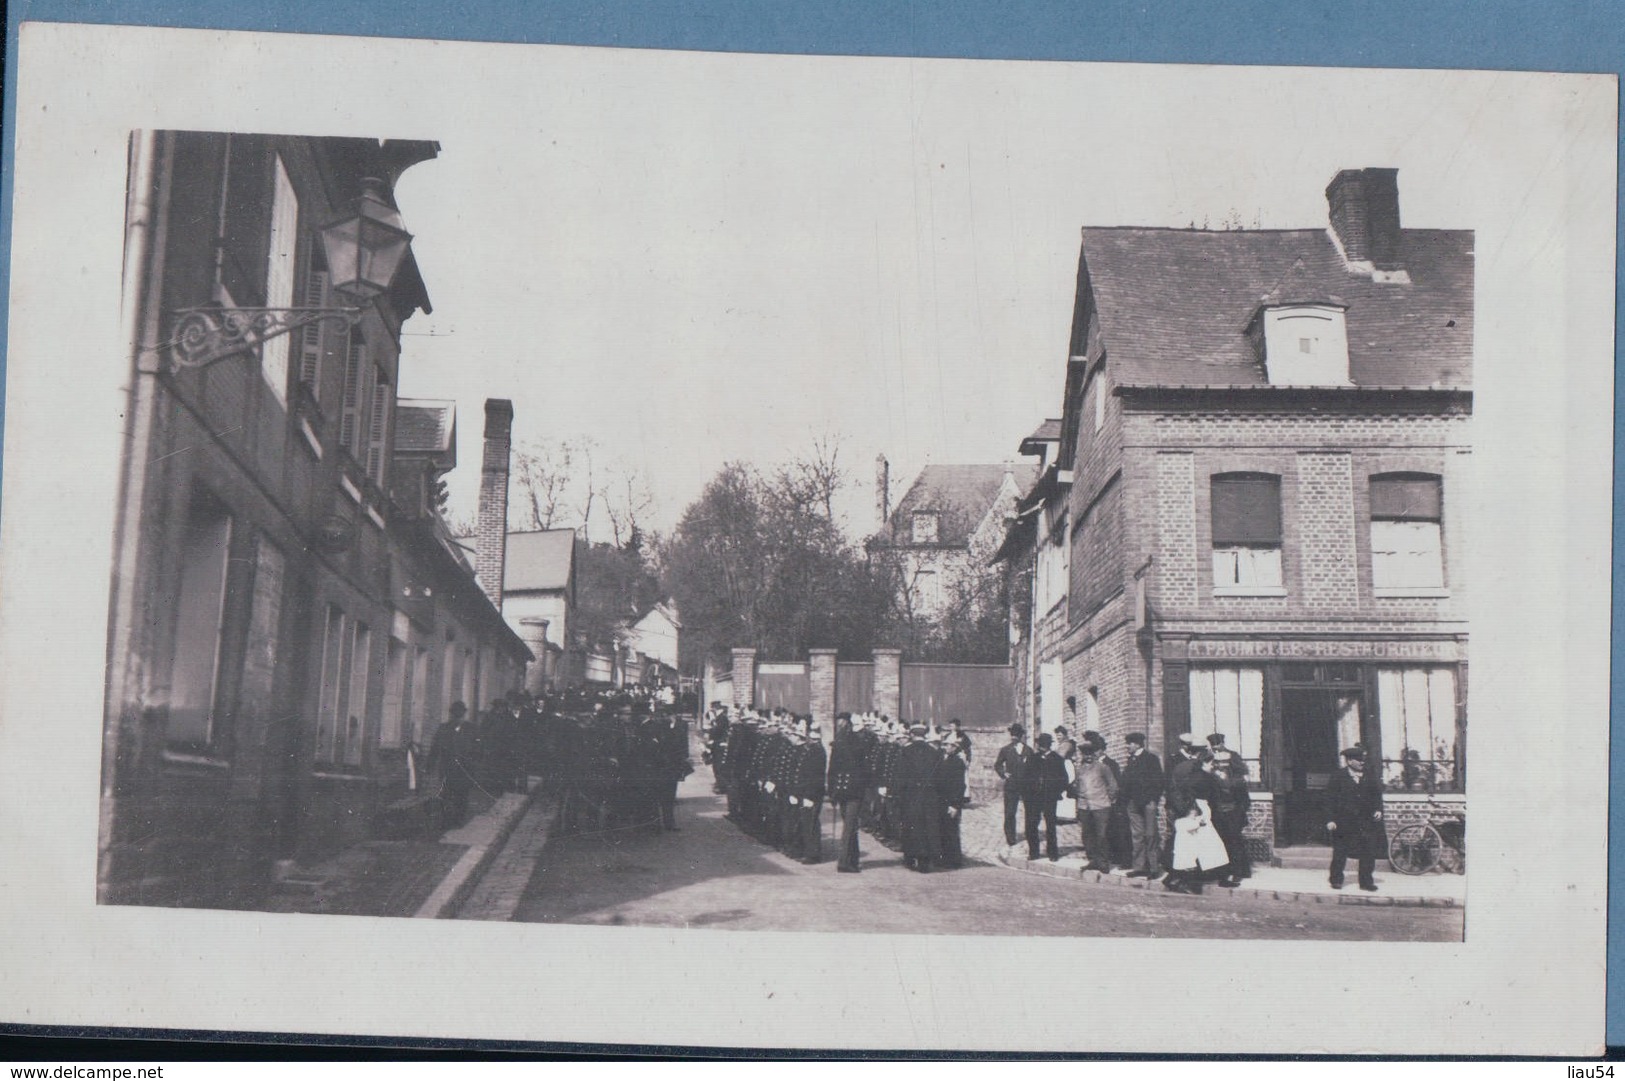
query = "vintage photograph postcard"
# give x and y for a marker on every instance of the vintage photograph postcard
(498, 535)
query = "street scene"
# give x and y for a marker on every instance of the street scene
(608, 619)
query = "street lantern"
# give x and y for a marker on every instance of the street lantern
(365, 248)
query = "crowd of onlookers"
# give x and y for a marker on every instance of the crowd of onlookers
(1120, 807)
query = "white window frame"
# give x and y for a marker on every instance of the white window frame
(1230, 701)
(1243, 570)
(1407, 558)
(922, 518)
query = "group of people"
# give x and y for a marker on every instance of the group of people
(1119, 805)
(616, 754)
(907, 783)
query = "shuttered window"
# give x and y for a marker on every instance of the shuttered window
(1246, 509)
(1246, 516)
(356, 371)
(378, 428)
(310, 338)
(279, 276)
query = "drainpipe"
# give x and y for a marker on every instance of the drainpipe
(125, 697)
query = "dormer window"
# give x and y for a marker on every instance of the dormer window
(924, 527)
(1305, 346)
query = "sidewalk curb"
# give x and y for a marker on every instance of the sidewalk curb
(454, 889)
(1243, 894)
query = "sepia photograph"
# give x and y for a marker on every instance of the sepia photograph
(732, 507)
(1201, 621)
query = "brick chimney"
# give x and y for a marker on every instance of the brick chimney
(1364, 208)
(491, 544)
(882, 492)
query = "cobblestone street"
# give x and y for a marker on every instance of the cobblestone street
(709, 874)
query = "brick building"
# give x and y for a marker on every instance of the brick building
(1264, 439)
(289, 616)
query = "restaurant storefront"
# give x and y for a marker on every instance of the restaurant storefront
(1288, 705)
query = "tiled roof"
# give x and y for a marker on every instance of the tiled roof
(539, 560)
(1174, 304)
(423, 426)
(961, 494)
(1047, 432)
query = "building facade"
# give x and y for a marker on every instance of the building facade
(1267, 441)
(289, 616)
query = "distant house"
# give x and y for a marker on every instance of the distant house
(943, 532)
(652, 642)
(539, 601)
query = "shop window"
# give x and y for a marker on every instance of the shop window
(199, 620)
(1231, 701)
(279, 275)
(1417, 707)
(923, 526)
(1246, 518)
(1406, 549)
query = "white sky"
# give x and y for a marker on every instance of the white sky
(696, 257)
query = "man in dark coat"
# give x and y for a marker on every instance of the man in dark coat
(1045, 781)
(1354, 807)
(452, 753)
(1011, 766)
(807, 797)
(674, 766)
(1230, 803)
(1141, 796)
(951, 799)
(848, 784)
(917, 801)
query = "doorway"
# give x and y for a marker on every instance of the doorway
(1316, 723)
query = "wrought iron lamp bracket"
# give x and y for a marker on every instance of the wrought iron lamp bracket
(204, 336)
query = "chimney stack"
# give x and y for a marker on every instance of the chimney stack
(882, 492)
(491, 545)
(1364, 210)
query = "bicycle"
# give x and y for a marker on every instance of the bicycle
(1420, 847)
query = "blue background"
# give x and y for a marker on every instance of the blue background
(1558, 35)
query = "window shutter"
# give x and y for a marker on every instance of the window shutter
(350, 423)
(1406, 499)
(310, 344)
(1246, 510)
(379, 427)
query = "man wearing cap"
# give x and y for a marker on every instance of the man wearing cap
(917, 798)
(807, 795)
(1141, 795)
(1045, 781)
(1354, 807)
(1011, 766)
(952, 796)
(1230, 802)
(1097, 792)
(848, 783)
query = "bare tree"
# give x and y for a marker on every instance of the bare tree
(628, 501)
(543, 475)
(812, 481)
